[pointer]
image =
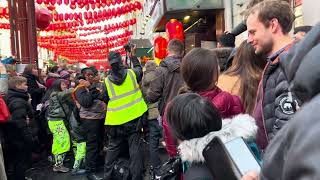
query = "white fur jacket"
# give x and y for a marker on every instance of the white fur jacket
(242, 125)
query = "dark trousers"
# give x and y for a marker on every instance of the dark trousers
(92, 137)
(154, 136)
(118, 135)
(20, 160)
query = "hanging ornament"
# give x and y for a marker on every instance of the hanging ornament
(43, 18)
(174, 30)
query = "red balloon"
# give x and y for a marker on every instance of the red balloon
(174, 30)
(43, 18)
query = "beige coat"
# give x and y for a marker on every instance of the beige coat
(230, 84)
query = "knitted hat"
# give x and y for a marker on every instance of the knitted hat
(64, 74)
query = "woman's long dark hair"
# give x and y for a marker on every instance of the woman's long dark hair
(56, 87)
(249, 67)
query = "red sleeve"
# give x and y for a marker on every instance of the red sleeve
(171, 146)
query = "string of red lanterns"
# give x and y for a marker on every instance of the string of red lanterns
(73, 4)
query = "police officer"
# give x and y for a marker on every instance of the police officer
(124, 111)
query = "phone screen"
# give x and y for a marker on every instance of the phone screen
(242, 156)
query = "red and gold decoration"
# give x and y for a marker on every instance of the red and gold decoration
(160, 47)
(174, 30)
(67, 34)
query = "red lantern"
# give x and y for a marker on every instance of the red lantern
(93, 6)
(43, 18)
(59, 2)
(113, 2)
(39, 1)
(138, 5)
(53, 2)
(66, 2)
(174, 30)
(87, 7)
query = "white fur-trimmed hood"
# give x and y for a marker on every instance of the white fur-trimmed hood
(242, 125)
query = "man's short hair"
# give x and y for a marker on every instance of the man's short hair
(16, 80)
(275, 9)
(176, 47)
(227, 40)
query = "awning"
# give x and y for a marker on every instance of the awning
(143, 47)
(161, 11)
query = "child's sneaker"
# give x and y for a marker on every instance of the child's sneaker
(60, 168)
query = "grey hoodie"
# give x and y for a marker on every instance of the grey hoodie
(294, 151)
(241, 125)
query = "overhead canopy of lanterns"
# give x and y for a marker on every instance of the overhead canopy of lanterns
(68, 33)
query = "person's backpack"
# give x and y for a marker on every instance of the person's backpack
(170, 170)
(4, 111)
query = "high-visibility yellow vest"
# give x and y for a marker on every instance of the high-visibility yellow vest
(126, 102)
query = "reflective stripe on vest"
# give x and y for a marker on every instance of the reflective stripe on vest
(126, 102)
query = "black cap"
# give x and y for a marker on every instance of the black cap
(114, 57)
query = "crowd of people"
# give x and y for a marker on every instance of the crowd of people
(265, 91)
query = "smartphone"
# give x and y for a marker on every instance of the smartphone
(242, 156)
(229, 161)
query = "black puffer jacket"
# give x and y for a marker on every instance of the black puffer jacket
(34, 90)
(18, 130)
(294, 152)
(167, 83)
(274, 106)
(61, 105)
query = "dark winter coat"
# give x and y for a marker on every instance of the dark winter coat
(223, 55)
(191, 150)
(61, 105)
(148, 77)
(118, 78)
(34, 90)
(167, 83)
(294, 152)
(228, 106)
(273, 109)
(18, 130)
(90, 106)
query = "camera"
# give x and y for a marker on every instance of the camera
(128, 47)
